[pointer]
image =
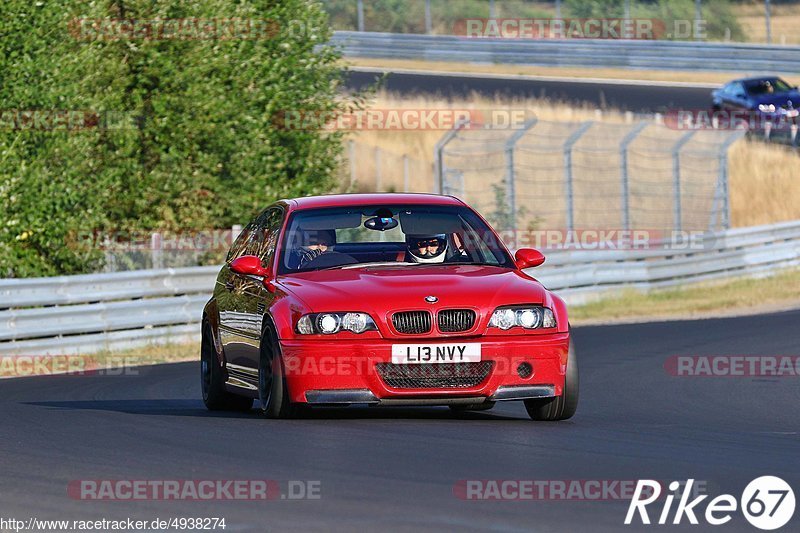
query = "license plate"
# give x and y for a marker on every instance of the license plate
(410, 354)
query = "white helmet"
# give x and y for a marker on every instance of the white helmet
(427, 248)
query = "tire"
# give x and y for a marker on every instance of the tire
(485, 406)
(273, 393)
(212, 382)
(564, 406)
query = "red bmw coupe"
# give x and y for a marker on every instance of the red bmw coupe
(383, 299)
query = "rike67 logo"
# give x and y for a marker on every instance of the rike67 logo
(767, 503)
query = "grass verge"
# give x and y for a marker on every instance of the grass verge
(150, 354)
(701, 300)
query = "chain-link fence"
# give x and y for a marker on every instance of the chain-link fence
(372, 168)
(590, 175)
(709, 20)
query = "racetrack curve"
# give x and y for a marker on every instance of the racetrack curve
(637, 97)
(395, 468)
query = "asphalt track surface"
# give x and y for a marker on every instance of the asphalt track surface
(638, 98)
(394, 469)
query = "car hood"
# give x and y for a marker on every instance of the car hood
(381, 290)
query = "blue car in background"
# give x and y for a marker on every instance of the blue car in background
(768, 101)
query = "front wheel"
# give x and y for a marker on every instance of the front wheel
(212, 382)
(561, 407)
(273, 394)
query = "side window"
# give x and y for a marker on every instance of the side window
(238, 246)
(265, 236)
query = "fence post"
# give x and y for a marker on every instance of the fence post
(378, 184)
(236, 229)
(405, 173)
(510, 177)
(768, 20)
(722, 193)
(568, 144)
(438, 155)
(428, 24)
(676, 179)
(155, 250)
(623, 154)
(352, 157)
(698, 16)
(360, 9)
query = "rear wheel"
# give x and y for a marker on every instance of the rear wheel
(273, 394)
(212, 381)
(561, 407)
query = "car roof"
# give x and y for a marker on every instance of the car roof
(756, 78)
(359, 199)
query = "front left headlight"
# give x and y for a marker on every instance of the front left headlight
(528, 317)
(330, 323)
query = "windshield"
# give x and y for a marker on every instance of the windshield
(767, 86)
(391, 235)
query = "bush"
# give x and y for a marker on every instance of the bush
(202, 150)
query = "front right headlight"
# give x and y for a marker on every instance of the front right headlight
(528, 317)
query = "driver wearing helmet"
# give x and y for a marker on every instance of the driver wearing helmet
(426, 248)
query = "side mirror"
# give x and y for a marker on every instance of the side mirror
(528, 258)
(249, 265)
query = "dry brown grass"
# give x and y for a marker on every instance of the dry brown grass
(763, 178)
(749, 295)
(785, 22)
(765, 183)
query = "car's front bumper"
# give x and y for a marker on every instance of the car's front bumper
(334, 372)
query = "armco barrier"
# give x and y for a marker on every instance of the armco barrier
(590, 53)
(81, 314)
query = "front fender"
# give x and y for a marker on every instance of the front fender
(211, 315)
(559, 308)
(284, 313)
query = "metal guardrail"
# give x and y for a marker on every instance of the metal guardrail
(590, 53)
(583, 276)
(81, 314)
(92, 312)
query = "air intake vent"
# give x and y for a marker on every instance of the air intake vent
(455, 320)
(434, 376)
(412, 322)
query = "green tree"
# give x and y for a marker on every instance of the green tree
(206, 149)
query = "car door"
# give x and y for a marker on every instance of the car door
(735, 98)
(227, 294)
(254, 298)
